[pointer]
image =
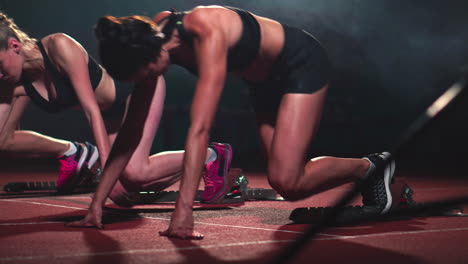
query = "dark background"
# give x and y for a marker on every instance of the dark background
(391, 60)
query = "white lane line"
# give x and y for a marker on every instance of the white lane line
(143, 251)
(265, 242)
(245, 227)
(29, 223)
(401, 233)
(160, 218)
(330, 236)
(54, 205)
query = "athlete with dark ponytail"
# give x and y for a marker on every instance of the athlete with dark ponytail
(288, 72)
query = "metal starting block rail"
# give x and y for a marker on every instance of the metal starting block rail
(87, 183)
(30, 186)
(240, 191)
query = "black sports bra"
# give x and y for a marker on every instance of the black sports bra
(241, 55)
(66, 96)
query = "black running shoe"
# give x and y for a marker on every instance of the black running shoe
(91, 172)
(376, 191)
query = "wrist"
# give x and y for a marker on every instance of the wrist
(95, 203)
(181, 205)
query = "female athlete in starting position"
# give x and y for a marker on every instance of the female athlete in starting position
(288, 72)
(57, 73)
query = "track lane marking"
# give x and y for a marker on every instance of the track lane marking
(143, 251)
(30, 223)
(165, 219)
(264, 242)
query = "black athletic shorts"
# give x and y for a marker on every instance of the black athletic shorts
(301, 67)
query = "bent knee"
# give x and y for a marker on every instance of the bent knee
(286, 184)
(121, 196)
(288, 192)
(139, 178)
(134, 174)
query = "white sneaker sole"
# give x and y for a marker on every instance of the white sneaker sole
(388, 176)
(82, 159)
(94, 157)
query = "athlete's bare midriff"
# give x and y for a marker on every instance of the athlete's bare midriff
(105, 93)
(271, 44)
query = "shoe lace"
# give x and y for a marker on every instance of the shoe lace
(209, 182)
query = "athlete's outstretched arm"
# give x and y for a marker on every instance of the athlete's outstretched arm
(71, 58)
(211, 53)
(124, 146)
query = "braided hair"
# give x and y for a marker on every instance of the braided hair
(8, 29)
(126, 44)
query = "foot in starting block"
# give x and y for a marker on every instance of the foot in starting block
(239, 193)
(402, 197)
(405, 206)
(152, 197)
(155, 197)
(29, 186)
(88, 182)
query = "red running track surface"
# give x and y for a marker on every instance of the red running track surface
(32, 230)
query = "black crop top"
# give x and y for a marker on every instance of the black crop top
(66, 96)
(241, 55)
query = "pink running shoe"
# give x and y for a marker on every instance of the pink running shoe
(70, 167)
(218, 182)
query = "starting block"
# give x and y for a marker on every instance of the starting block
(88, 182)
(252, 194)
(239, 193)
(152, 197)
(406, 207)
(29, 186)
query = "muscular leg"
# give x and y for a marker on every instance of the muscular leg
(27, 143)
(155, 172)
(30, 143)
(286, 144)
